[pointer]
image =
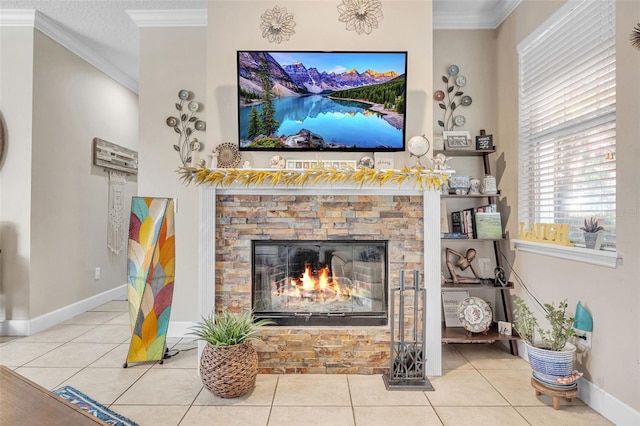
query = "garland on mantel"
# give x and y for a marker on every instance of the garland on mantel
(424, 179)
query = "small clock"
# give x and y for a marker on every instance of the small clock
(453, 70)
(459, 120)
(461, 80)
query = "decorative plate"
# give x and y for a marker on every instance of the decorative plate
(366, 163)
(466, 100)
(453, 70)
(459, 120)
(228, 155)
(461, 80)
(475, 314)
(438, 95)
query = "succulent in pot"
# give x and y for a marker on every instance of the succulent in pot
(591, 230)
(229, 362)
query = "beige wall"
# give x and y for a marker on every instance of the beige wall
(173, 59)
(54, 201)
(611, 295)
(16, 78)
(406, 27)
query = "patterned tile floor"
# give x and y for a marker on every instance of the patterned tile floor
(481, 385)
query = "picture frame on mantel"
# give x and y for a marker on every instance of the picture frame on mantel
(457, 140)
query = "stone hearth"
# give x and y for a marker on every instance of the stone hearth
(231, 218)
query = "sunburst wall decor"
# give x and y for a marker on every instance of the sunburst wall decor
(277, 25)
(634, 38)
(361, 16)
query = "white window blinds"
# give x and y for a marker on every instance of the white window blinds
(567, 119)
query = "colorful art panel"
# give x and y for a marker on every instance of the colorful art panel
(151, 274)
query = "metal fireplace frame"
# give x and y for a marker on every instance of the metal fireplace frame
(338, 319)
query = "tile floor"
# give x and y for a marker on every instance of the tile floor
(481, 385)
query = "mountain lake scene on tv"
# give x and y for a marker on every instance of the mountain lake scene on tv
(321, 100)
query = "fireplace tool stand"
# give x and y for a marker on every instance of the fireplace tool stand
(407, 361)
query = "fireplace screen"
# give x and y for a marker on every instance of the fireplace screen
(320, 283)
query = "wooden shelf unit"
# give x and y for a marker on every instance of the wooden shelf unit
(457, 334)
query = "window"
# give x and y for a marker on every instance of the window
(567, 125)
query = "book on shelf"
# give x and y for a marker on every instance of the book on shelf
(456, 222)
(454, 235)
(488, 225)
(468, 222)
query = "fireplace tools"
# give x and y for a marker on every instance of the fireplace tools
(408, 351)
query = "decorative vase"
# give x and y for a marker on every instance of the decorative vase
(229, 371)
(552, 363)
(592, 240)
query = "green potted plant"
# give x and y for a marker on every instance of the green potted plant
(592, 234)
(551, 354)
(229, 362)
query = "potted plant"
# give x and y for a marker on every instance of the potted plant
(552, 354)
(591, 230)
(229, 362)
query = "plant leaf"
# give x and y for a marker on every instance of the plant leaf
(192, 119)
(178, 106)
(440, 123)
(453, 106)
(183, 117)
(176, 129)
(450, 89)
(459, 93)
(176, 147)
(445, 79)
(442, 106)
(188, 131)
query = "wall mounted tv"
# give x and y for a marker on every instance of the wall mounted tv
(332, 101)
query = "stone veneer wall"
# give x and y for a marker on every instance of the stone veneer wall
(243, 218)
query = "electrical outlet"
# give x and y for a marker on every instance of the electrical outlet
(583, 338)
(97, 275)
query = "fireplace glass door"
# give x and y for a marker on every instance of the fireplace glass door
(320, 283)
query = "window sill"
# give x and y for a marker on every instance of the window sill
(608, 259)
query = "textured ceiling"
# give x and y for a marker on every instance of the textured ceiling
(105, 28)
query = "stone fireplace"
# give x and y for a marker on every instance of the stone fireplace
(259, 245)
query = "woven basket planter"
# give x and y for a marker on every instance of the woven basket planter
(229, 371)
(552, 363)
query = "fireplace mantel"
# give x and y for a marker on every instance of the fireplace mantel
(431, 238)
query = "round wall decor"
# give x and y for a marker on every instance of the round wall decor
(228, 155)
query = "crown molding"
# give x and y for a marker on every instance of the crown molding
(474, 21)
(169, 18)
(39, 21)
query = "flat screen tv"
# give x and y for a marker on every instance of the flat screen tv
(332, 101)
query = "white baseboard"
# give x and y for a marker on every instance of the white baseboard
(42, 322)
(610, 407)
(597, 399)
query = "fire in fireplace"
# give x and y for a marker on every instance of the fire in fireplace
(320, 283)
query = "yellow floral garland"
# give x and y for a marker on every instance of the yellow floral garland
(423, 179)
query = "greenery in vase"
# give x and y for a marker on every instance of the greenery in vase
(227, 328)
(561, 325)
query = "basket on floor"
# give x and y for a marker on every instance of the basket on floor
(229, 371)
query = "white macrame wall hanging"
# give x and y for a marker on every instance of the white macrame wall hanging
(116, 230)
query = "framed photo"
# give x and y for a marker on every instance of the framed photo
(457, 140)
